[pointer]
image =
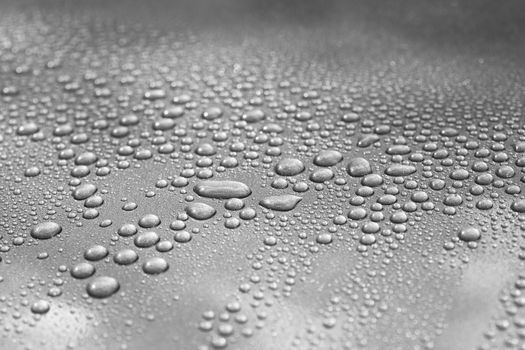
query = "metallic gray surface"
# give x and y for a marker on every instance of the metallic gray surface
(294, 104)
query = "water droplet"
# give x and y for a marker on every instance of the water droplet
(222, 189)
(46, 230)
(281, 203)
(102, 287)
(200, 211)
(358, 167)
(469, 234)
(154, 266)
(40, 307)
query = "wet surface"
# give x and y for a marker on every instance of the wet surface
(244, 175)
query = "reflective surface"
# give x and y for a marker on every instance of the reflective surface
(244, 175)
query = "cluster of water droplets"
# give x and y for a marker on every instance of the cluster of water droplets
(137, 168)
